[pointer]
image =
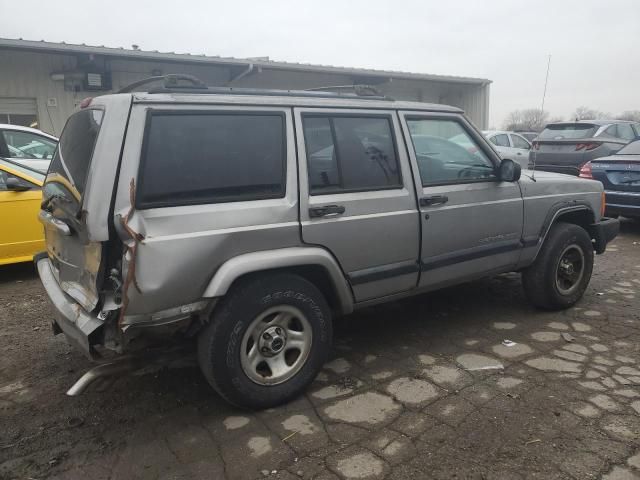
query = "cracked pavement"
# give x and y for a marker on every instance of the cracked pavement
(469, 382)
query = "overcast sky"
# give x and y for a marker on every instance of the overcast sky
(595, 44)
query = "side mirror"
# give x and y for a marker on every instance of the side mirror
(509, 171)
(14, 185)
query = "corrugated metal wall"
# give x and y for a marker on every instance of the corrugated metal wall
(27, 75)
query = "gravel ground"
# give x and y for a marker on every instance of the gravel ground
(470, 382)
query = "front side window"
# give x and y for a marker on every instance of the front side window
(195, 158)
(446, 153)
(519, 142)
(346, 153)
(28, 145)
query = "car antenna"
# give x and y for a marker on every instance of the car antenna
(544, 94)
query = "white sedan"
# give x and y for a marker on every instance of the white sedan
(510, 145)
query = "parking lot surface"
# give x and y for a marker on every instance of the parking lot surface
(469, 382)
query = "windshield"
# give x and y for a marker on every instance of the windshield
(568, 131)
(632, 148)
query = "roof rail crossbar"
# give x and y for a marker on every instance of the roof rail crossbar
(171, 80)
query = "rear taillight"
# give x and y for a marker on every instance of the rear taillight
(535, 145)
(588, 146)
(603, 204)
(585, 171)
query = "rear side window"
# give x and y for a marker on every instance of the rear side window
(519, 142)
(73, 156)
(500, 140)
(346, 153)
(196, 158)
(568, 131)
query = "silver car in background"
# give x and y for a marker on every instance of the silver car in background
(510, 146)
(565, 147)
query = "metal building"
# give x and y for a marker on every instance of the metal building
(42, 83)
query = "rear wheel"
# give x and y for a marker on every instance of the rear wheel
(562, 270)
(267, 340)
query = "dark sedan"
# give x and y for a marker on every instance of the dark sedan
(565, 147)
(620, 175)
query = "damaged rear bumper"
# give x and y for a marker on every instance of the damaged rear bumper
(69, 316)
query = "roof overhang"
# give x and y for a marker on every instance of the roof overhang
(69, 49)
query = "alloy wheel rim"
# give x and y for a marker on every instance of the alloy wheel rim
(276, 345)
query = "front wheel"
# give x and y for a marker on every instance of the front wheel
(561, 272)
(267, 340)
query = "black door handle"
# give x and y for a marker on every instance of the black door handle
(326, 211)
(434, 200)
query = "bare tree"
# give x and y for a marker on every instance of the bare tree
(633, 115)
(530, 119)
(586, 113)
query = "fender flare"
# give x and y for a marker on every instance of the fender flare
(554, 212)
(253, 262)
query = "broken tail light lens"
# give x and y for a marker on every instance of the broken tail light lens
(585, 171)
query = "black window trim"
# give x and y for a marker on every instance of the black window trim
(388, 115)
(141, 205)
(482, 145)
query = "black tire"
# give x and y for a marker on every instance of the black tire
(220, 342)
(539, 280)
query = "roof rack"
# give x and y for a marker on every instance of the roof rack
(174, 83)
(171, 80)
(359, 90)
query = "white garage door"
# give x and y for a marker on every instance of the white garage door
(19, 111)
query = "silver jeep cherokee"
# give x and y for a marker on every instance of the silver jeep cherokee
(252, 219)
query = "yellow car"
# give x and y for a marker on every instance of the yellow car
(21, 234)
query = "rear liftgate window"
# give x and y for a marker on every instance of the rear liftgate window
(195, 158)
(73, 155)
